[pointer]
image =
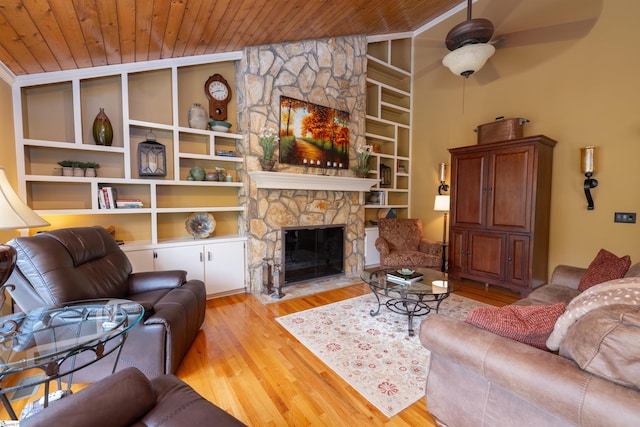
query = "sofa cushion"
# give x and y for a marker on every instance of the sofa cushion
(605, 343)
(634, 270)
(527, 324)
(549, 294)
(604, 267)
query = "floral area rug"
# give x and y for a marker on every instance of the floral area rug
(374, 354)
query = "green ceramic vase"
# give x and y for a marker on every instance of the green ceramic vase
(102, 129)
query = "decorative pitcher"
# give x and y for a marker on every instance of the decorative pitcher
(198, 117)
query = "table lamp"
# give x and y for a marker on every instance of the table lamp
(14, 214)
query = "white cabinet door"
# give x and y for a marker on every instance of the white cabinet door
(225, 267)
(188, 258)
(371, 254)
(141, 260)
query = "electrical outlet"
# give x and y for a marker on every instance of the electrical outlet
(627, 217)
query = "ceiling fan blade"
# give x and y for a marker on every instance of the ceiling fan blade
(486, 74)
(495, 11)
(549, 34)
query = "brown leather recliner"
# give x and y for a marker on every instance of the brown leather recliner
(82, 263)
(127, 398)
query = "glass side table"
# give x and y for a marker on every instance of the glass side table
(46, 337)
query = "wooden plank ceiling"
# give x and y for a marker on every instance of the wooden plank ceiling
(50, 35)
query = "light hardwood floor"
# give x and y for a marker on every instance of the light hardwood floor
(247, 364)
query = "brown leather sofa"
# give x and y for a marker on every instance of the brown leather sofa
(477, 378)
(86, 263)
(128, 398)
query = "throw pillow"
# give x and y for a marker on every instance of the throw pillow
(604, 342)
(604, 267)
(528, 324)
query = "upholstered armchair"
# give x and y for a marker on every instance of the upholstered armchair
(82, 263)
(401, 244)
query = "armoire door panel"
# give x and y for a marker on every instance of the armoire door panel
(510, 189)
(468, 177)
(487, 254)
(518, 260)
(457, 251)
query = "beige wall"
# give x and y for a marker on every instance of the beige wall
(579, 92)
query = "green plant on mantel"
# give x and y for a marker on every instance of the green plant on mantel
(362, 160)
(268, 141)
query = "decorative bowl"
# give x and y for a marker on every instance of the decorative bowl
(406, 271)
(219, 126)
(200, 225)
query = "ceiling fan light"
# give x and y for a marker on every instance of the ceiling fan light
(468, 59)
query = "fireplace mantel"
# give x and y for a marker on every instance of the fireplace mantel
(296, 181)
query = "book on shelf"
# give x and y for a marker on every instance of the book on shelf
(129, 203)
(107, 197)
(404, 279)
(101, 201)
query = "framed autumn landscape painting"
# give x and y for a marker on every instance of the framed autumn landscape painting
(313, 135)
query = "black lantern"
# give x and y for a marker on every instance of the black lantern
(152, 157)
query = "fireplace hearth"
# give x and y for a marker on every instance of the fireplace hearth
(312, 252)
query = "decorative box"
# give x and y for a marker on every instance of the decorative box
(500, 130)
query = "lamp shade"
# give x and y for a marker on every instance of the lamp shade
(441, 204)
(468, 59)
(14, 213)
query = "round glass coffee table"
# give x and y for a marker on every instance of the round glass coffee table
(415, 294)
(46, 337)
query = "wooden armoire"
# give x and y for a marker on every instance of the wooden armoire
(500, 203)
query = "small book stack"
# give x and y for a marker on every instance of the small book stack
(226, 153)
(107, 198)
(128, 203)
(404, 279)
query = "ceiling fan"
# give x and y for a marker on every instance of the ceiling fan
(469, 45)
(471, 42)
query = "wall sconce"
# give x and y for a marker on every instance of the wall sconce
(588, 167)
(443, 174)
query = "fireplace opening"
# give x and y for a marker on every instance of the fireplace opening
(312, 252)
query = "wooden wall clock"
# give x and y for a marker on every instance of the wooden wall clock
(218, 92)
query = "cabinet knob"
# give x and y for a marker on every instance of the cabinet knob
(510, 259)
(468, 251)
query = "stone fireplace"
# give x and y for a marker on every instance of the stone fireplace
(311, 252)
(329, 72)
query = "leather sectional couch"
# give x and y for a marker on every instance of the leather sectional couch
(477, 378)
(82, 263)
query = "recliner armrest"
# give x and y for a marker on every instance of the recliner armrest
(118, 400)
(154, 280)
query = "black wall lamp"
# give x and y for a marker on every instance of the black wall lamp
(588, 167)
(443, 174)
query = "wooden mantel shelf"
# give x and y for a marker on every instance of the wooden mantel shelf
(295, 181)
